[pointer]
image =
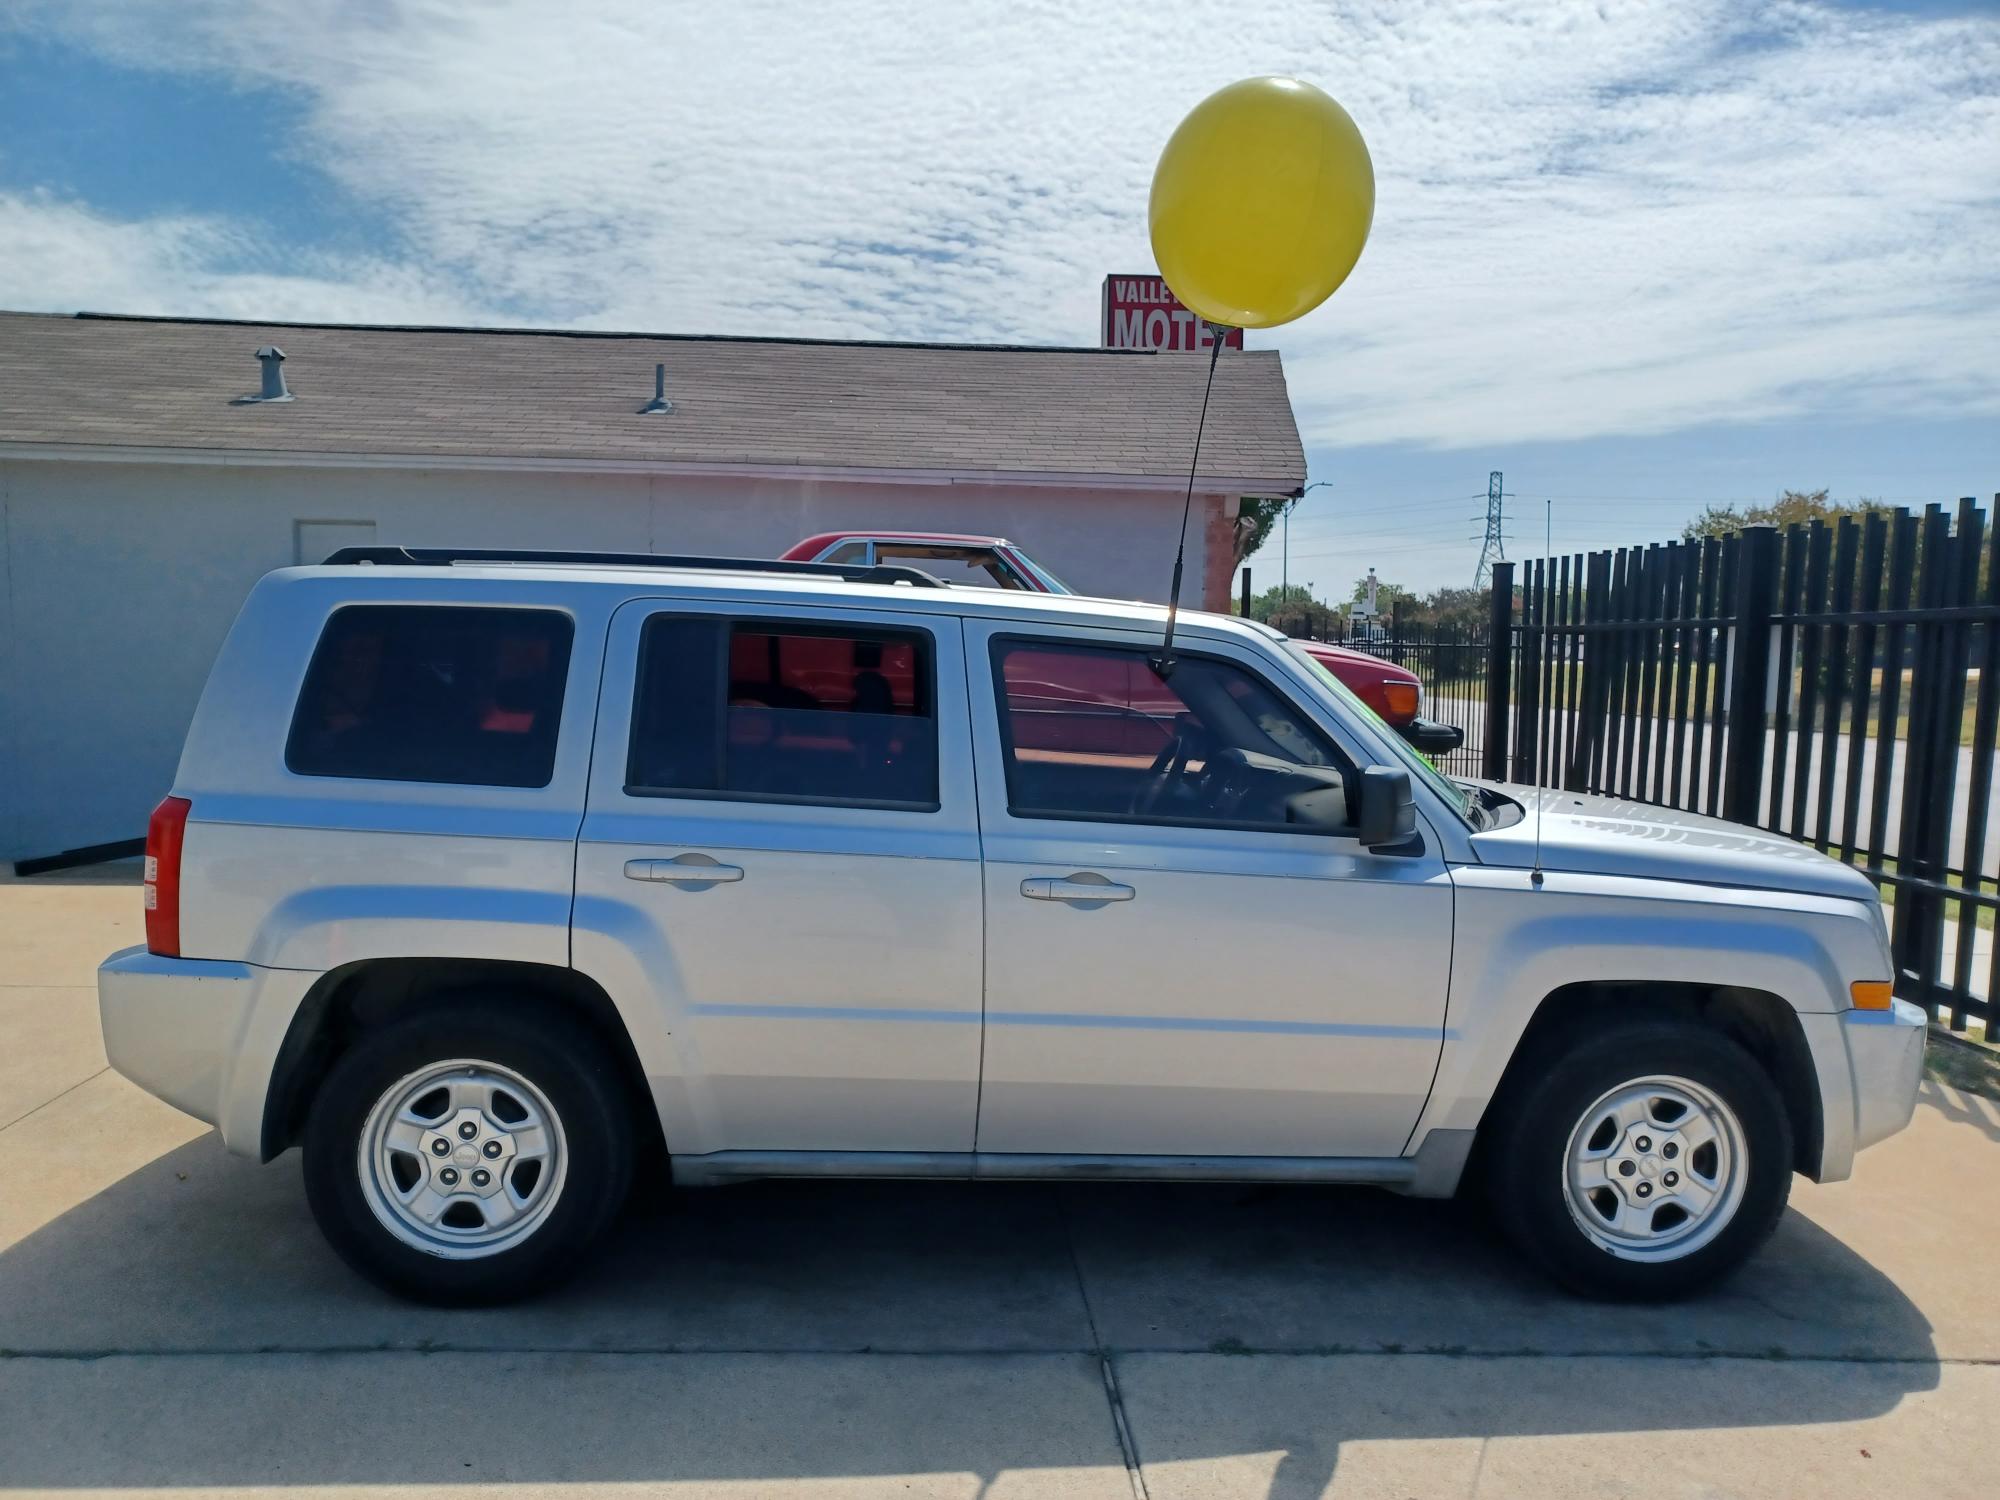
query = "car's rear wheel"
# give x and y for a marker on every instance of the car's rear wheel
(1642, 1163)
(471, 1153)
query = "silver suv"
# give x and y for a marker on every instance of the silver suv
(485, 876)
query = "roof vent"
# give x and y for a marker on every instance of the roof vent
(271, 360)
(659, 405)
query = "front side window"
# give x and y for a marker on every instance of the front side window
(1093, 732)
(783, 712)
(425, 692)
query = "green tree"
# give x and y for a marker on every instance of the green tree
(1277, 599)
(1294, 610)
(1254, 522)
(1390, 598)
(1455, 607)
(1792, 508)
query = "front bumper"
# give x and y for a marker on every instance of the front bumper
(200, 1034)
(1885, 1053)
(1869, 1064)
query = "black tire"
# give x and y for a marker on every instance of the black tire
(1526, 1154)
(555, 1053)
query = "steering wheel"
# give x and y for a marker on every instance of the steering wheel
(1226, 780)
(1167, 766)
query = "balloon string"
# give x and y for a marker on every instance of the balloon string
(1163, 664)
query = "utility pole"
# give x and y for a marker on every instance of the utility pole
(1493, 548)
(1285, 567)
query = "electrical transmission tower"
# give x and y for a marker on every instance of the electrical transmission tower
(1493, 548)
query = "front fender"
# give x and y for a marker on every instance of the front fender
(1516, 943)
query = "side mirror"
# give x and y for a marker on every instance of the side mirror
(1433, 738)
(1388, 815)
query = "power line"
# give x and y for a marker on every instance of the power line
(1338, 510)
(1708, 499)
(1362, 549)
(1358, 542)
(1584, 539)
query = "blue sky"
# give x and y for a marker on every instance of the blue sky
(1639, 257)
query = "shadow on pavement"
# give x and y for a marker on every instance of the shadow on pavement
(848, 1329)
(1961, 1107)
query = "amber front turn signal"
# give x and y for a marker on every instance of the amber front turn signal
(1872, 994)
(1403, 698)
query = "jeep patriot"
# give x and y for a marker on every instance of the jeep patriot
(487, 879)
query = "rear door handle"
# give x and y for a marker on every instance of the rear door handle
(1085, 889)
(684, 869)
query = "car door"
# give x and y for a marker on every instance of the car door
(1172, 968)
(781, 828)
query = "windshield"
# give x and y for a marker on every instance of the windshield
(1049, 580)
(1459, 798)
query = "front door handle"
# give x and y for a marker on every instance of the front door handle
(1086, 888)
(684, 869)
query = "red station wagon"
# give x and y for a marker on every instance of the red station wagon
(1392, 691)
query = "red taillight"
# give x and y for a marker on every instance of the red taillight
(164, 831)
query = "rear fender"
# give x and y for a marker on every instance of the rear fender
(620, 949)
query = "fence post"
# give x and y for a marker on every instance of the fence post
(1593, 687)
(1528, 690)
(1499, 664)
(1246, 593)
(1756, 591)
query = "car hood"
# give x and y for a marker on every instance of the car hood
(1610, 836)
(1389, 671)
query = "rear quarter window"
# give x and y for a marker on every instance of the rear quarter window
(433, 693)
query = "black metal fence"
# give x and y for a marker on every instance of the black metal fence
(1837, 684)
(1450, 660)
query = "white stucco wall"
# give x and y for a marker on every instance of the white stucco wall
(119, 580)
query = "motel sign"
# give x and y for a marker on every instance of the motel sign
(1141, 313)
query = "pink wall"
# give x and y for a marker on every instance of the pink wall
(125, 576)
(1116, 543)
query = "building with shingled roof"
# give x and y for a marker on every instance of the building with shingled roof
(145, 485)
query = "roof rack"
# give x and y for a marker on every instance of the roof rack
(428, 557)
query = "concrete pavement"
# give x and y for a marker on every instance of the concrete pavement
(170, 1318)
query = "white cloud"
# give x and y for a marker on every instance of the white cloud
(58, 255)
(1592, 220)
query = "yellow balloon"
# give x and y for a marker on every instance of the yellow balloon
(1261, 203)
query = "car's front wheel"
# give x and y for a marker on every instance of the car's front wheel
(1643, 1162)
(470, 1153)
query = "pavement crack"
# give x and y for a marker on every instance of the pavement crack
(30, 1114)
(1106, 1355)
(1135, 1474)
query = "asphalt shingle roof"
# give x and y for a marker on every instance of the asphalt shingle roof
(440, 393)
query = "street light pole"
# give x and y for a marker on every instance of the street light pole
(1285, 575)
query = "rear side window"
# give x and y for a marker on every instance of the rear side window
(783, 712)
(401, 692)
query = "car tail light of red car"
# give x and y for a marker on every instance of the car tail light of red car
(1403, 699)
